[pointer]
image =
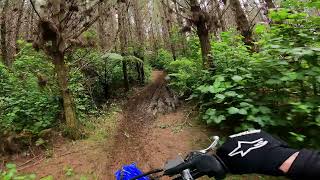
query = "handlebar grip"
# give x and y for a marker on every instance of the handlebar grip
(177, 170)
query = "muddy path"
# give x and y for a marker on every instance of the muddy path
(149, 130)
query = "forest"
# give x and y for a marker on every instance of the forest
(95, 78)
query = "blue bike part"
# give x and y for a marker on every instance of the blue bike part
(128, 172)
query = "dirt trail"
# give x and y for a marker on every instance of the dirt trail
(145, 139)
(143, 135)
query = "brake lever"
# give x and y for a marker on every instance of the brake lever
(212, 146)
(180, 164)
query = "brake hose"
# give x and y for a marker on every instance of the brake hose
(147, 174)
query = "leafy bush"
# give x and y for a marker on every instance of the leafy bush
(184, 74)
(163, 58)
(230, 52)
(26, 105)
(113, 71)
(194, 51)
(273, 89)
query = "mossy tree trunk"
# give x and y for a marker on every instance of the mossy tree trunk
(3, 30)
(62, 74)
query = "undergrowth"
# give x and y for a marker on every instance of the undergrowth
(275, 88)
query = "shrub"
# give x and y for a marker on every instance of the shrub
(184, 74)
(274, 89)
(28, 97)
(163, 58)
(194, 51)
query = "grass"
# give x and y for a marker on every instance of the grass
(104, 126)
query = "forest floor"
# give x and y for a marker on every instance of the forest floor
(148, 129)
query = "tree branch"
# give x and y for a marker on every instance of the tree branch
(89, 24)
(34, 8)
(174, 11)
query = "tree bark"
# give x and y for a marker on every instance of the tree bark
(154, 40)
(204, 38)
(30, 24)
(122, 12)
(201, 19)
(3, 29)
(141, 38)
(19, 23)
(167, 19)
(242, 22)
(100, 28)
(62, 73)
(270, 4)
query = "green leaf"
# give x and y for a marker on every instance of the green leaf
(219, 119)
(205, 117)
(264, 110)
(245, 104)
(211, 112)
(243, 112)
(237, 78)
(260, 28)
(112, 56)
(273, 82)
(11, 166)
(220, 96)
(230, 93)
(233, 110)
(40, 142)
(298, 137)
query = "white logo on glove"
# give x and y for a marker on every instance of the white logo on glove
(255, 145)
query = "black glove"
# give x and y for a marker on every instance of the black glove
(254, 152)
(200, 165)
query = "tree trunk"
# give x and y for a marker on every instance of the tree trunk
(204, 38)
(141, 39)
(19, 23)
(200, 19)
(122, 12)
(30, 25)
(155, 44)
(3, 29)
(242, 22)
(100, 28)
(168, 28)
(270, 4)
(68, 106)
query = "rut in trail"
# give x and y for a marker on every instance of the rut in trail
(134, 128)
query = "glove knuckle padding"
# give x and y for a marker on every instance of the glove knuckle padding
(254, 153)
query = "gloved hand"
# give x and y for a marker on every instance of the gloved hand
(254, 152)
(200, 165)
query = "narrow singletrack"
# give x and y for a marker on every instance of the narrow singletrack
(150, 129)
(134, 128)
